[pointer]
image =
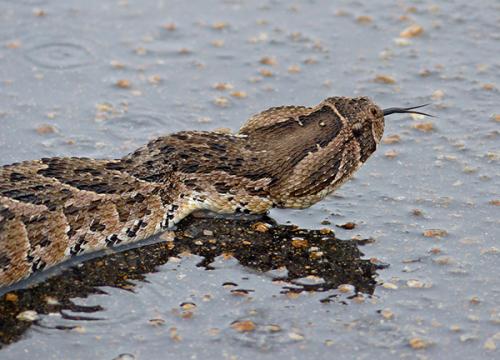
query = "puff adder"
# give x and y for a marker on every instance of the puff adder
(56, 208)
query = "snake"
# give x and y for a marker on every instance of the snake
(54, 209)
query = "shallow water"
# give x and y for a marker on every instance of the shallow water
(60, 62)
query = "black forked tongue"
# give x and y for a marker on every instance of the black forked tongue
(408, 110)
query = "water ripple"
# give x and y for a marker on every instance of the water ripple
(60, 55)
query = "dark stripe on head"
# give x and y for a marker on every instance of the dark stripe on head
(292, 140)
(366, 141)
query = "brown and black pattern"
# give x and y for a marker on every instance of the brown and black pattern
(55, 208)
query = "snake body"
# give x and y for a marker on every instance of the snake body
(56, 208)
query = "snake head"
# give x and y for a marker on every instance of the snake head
(308, 152)
(365, 117)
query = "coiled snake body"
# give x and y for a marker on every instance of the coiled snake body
(56, 208)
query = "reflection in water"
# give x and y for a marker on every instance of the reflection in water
(260, 245)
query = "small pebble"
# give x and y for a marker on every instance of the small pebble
(417, 212)
(39, 12)
(391, 139)
(186, 314)
(14, 44)
(268, 60)
(384, 79)
(240, 292)
(213, 331)
(469, 169)
(174, 335)
(239, 94)
(417, 116)
(104, 107)
(490, 345)
(488, 87)
(123, 83)
(474, 300)
(468, 337)
(154, 79)
(222, 86)
(117, 64)
(346, 288)
(417, 284)
(455, 328)
(292, 295)
(266, 73)
(402, 42)
(296, 336)
(359, 299)
(387, 314)
(316, 255)
(244, 326)
(418, 343)
(473, 318)
(273, 328)
(310, 61)
(217, 43)
(204, 119)
(169, 26)
(50, 300)
(46, 129)
(364, 19)
(79, 329)
(221, 101)
(28, 315)
(435, 250)
(444, 260)
(220, 25)
(391, 154)
(388, 285)
(424, 126)
(11, 297)
(437, 95)
(348, 226)
(188, 306)
(439, 233)
(261, 227)
(412, 31)
(490, 250)
(157, 322)
(299, 243)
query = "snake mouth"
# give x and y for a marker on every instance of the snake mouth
(408, 110)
